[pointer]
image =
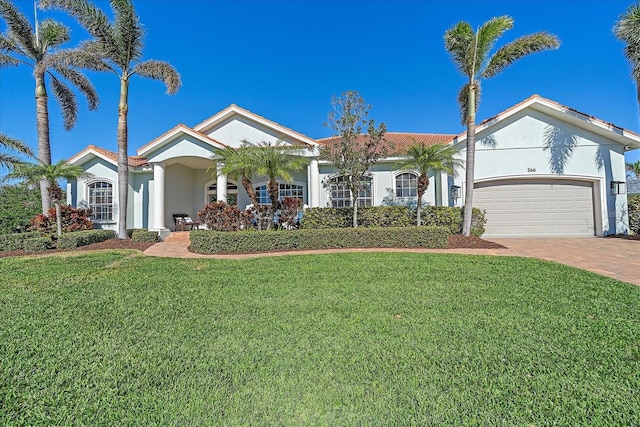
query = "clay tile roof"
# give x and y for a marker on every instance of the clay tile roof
(134, 161)
(401, 141)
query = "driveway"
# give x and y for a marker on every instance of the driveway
(617, 258)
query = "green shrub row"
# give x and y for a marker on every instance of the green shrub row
(38, 244)
(393, 216)
(634, 213)
(142, 235)
(209, 242)
(83, 238)
(16, 241)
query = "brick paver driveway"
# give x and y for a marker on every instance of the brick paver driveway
(617, 258)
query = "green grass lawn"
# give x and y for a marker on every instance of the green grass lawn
(383, 339)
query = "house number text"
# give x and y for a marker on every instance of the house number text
(531, 169)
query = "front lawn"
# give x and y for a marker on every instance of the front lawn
(116, 338)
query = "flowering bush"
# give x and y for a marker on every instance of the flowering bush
(73, 219)
(222, 217)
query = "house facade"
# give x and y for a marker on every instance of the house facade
(542, 169)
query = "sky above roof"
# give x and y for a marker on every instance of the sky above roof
(284, 60)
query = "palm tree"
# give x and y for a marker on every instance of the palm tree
(471, 53)
(21, 44)
(627, 29)
(34, 173)
(7, 143)
(276, 161)
(426, 158)
(117, 49)
(634, 168)
(237, 163)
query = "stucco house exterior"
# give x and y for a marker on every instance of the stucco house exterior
(542, 169)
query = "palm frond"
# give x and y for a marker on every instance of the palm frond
(10, 143)
(487, 36)
(52, 34)
(463, 101)
(33, 173)
(8, 45)
(81, 82)
(19, 28)
(127, 31)
(627, 29)
(67, 100)
(83, 57)
(7, 60)
(523, 46)
(160, 70)
(457, 41)
(92, 18)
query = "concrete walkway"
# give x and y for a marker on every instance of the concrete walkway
(617, 258)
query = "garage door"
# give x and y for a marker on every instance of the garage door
(536, 208)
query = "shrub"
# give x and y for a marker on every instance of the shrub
(222, 217)
(18, 204)
(207, 242)
(37, 244)
(16, 241)
(73, 219)
(290, 213)
(634, 213)
(83, 238)
(393, 216)
(143, 235)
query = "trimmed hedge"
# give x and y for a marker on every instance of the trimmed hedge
(37, 244)
(16, 241)
(143, 235)
(209, 242)
(634, 213)
(83, 238)
(393, 216)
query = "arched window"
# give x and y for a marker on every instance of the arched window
(407, 184)
(211, 190)
(285, 190)
(341, 196)
(100, 201)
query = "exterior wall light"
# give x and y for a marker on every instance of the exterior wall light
(455, 192)
(618, 187)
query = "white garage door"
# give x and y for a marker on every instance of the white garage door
(536, 208)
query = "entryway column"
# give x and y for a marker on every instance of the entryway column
(314, 183)
(221, 184)
(158, 196)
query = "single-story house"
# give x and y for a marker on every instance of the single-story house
(633, 187)
(542, 169)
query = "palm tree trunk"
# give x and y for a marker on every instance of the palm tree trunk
(471, 156)
(44, 147)
(251, 192)
(123, 158)
(423, 184)
(274, 191)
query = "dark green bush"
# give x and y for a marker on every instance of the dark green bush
(207, 241)
(392, 216)
(15, 241)
(37, 244)
(143, 235)
(83, 238)
(634, 214)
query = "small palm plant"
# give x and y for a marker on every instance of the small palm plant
(430, 158)
(236, 163)
(34, 173)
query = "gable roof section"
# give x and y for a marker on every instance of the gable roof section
(401, 141)
(233, 109)
(109, 156)
(566, 114)
(175, 132)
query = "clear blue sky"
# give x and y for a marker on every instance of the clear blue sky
(285, 59)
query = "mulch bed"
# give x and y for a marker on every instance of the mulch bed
(455, 242)
(625, 236)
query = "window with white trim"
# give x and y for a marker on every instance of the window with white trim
(100, 200)
(407, 185)
(212, 192)
(284, 190)
(341, 196)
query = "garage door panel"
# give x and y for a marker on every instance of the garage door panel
(528, 208)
